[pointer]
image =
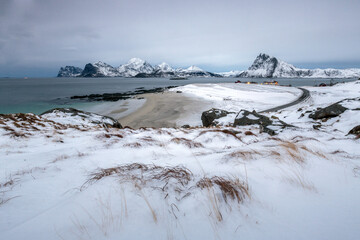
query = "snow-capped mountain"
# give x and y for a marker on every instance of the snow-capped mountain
(195, 71)
(69, 71)
(99, 69)
(231, 73)
(164, 67)
(265, 66)
(134, 67)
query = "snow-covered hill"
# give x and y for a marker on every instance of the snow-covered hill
(265, 66)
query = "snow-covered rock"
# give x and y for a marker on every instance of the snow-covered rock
(265, 66)
(69, 71)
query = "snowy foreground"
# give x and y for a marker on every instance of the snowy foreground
(64, 177)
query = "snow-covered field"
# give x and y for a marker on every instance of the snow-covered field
(64, 177)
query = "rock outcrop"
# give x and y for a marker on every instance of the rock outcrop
(331, 111)
(91, 117)
(209, 116)
(267, 125)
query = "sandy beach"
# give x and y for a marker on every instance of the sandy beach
(167, 109)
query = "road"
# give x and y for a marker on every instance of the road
(305, 95)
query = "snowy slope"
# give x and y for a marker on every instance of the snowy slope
(63, 178)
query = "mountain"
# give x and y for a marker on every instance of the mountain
(230, 73)
(196, 72)
(69, 71)
(136, 67)
(265, 66)
(99, 69)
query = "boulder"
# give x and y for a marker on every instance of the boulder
(331, 111)
(355, 130)
(267, 125)
(92, 117)
(209, 116)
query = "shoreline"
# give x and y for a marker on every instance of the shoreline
(158, 111)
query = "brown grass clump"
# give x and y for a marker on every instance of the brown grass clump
(142, 174)
(293, 150)
(187, 142)
(230, 188)
(249, 133)
(245, 155)
(181, 174)
(225, 131)
(14, 133)
(106, 135)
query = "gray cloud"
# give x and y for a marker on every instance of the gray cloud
(47, 33)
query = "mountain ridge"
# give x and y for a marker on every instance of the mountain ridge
(264, 66)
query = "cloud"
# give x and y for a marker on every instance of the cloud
(37, 33)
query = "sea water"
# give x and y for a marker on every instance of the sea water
(37, 95)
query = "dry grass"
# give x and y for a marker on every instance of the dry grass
(293, 151)
(242, 154)
(296, 177)
(187, 142)
(232, 133)
(142, 174)
(233, 189)
(249, 133)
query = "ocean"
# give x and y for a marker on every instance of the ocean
(37, 95)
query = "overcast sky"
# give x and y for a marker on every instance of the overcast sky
(39, 36)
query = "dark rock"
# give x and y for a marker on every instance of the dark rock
(69, 71)
(104, 120)
(245, 118)
(209, 116)
(186, 126)
(331, 111)
(316, 126)
(113, 97)
(91, 71)
(355, 130)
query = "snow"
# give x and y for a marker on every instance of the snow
(302, 183)
(266, 66)
(164, 67)
(230, 73)
(233, 97)
(194, 69)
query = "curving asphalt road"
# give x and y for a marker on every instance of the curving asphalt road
(305, 95)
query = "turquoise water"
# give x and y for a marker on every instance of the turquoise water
(37, 95)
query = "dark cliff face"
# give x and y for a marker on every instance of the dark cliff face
(91, 71)
(264, 61)
(69, 71)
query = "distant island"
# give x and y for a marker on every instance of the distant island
(264, 66)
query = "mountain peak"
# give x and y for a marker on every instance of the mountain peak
(137, 61)
(194, 68)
